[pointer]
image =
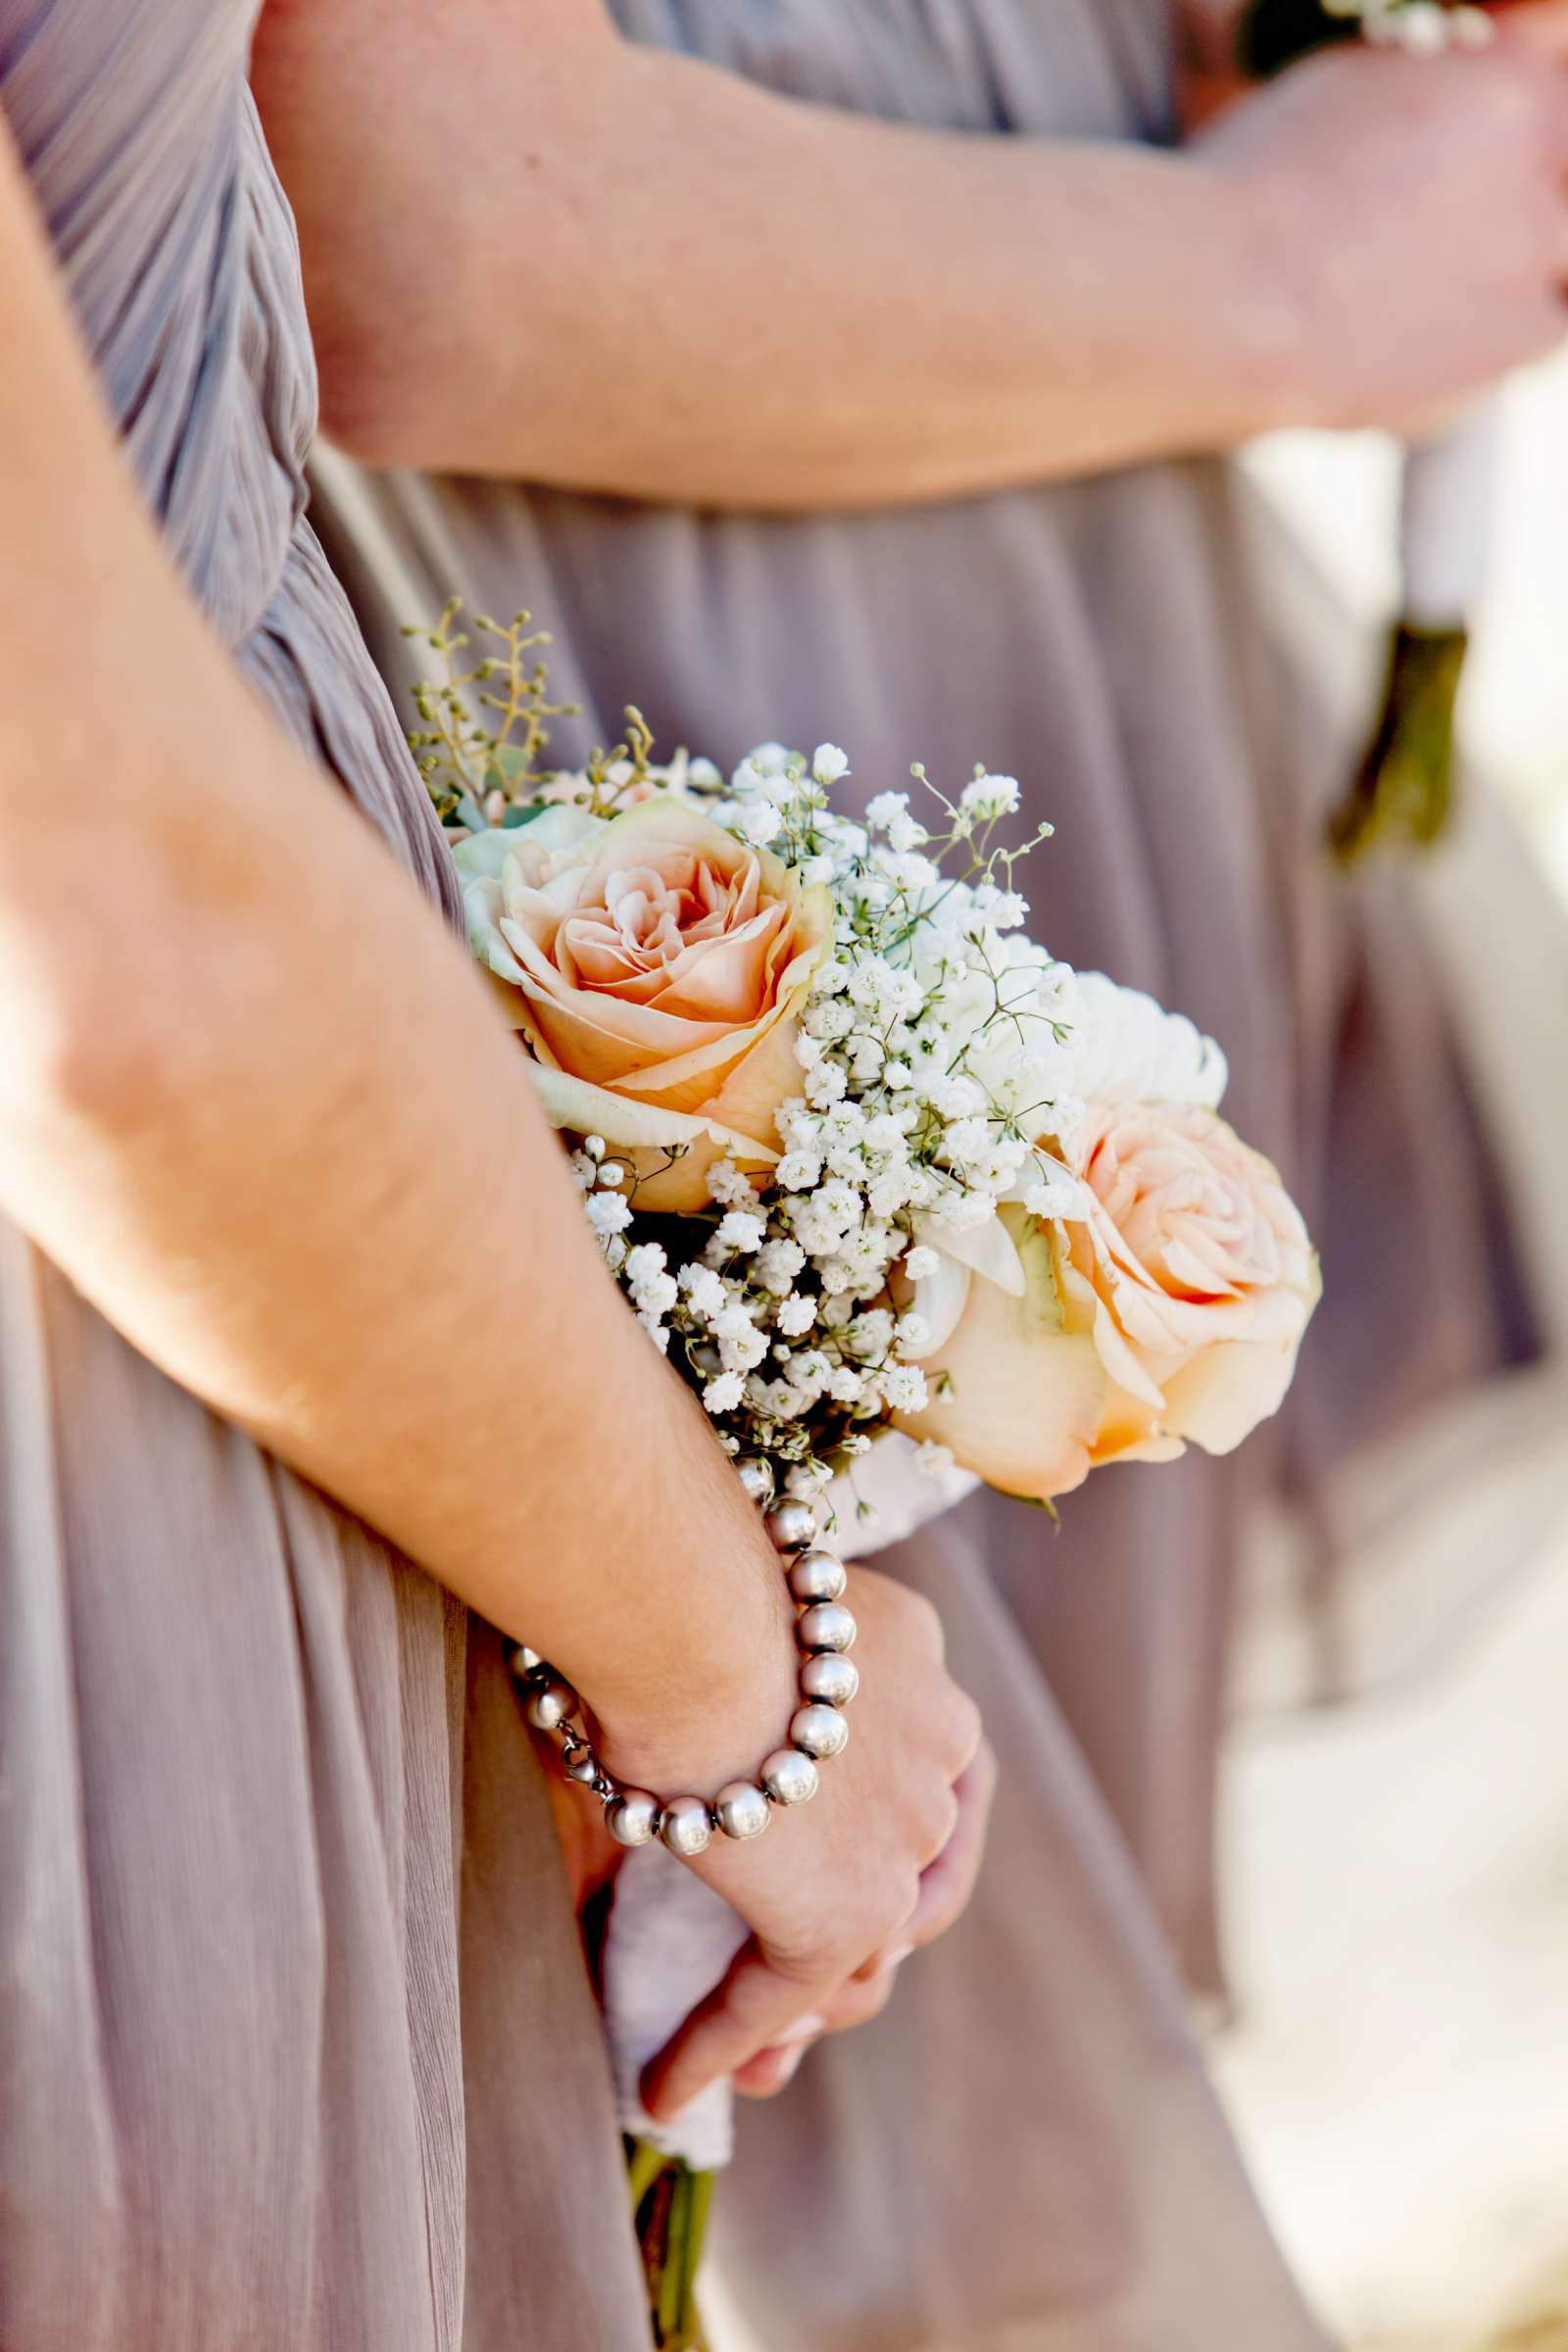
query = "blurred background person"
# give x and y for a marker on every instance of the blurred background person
(1396, 1906)
(866, 370)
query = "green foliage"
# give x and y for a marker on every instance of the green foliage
(464, 757)
(482, 771)
(670, 2203)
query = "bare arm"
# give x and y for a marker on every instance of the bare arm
(244, 1073)
(535, 250)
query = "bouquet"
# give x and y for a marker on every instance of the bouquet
(908, 1203)
(1403, 786)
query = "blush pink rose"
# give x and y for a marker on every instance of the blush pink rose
(657, 968)
(1169, 1306)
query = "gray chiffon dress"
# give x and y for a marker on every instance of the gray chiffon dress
(1022, 2155)
(297, 2050)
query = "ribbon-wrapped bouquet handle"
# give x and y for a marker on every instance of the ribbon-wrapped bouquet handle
(1403, 787)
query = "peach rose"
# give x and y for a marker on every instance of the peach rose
(657, 968)
(1165, 1302)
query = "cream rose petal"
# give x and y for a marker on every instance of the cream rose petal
(692, 1078)
(550, 830)
(750, 1096)
(680, 1188)
(1129, 1049)
(1184, 1265)
(613, 1039)
(1213, 1356)
(483, 862)
(940, 1299)
(1122, 1362)
(481, 907)
(1023, 1401)
(739, 1118)
(1224, 1393)
(483, 855)
(987, 1250)
(645, 1134)
(650, 1052)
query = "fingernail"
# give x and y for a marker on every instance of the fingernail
(896, 1958)
(790, 2066)
(803, 2029)
(658, 2102)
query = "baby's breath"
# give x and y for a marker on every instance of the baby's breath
(936, 1047)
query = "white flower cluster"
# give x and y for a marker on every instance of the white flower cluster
(936, 1044)
(1421, 27)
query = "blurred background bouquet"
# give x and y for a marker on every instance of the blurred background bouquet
(1402, 792)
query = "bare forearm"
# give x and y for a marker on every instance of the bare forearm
(672, 284)
(254, 1101)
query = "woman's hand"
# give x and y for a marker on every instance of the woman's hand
(945, 1891)
(589, 1854)
(882, 1860)
(1411, 217)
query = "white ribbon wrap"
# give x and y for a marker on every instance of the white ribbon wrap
(1445, 510)
(672, 1939)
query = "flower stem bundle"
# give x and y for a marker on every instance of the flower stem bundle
(1403, 790)
(670, 2205)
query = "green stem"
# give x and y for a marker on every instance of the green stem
(701, 2202)
(672, 2284)
(644, 2164)
(1404, 786)
(671, 2205)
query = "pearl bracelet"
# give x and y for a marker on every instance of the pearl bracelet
(825, 1632)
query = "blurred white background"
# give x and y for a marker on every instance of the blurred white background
(1397, 1872)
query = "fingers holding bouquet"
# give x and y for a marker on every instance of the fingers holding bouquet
(832, 1905)
(1407, 198)
(946, 1886)
(1540, 27)
(1408, 210)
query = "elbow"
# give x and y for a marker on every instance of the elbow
(366, 409)
(106, 1029)
(99, 1056)
(401, 388)
(79, 1062)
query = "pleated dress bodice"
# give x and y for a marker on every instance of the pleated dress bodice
(297, 2051)
(136, 127)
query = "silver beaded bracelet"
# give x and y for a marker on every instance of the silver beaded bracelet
(825, 1632)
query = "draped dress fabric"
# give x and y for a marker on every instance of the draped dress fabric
(1023, 2154)
(276, 1859)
